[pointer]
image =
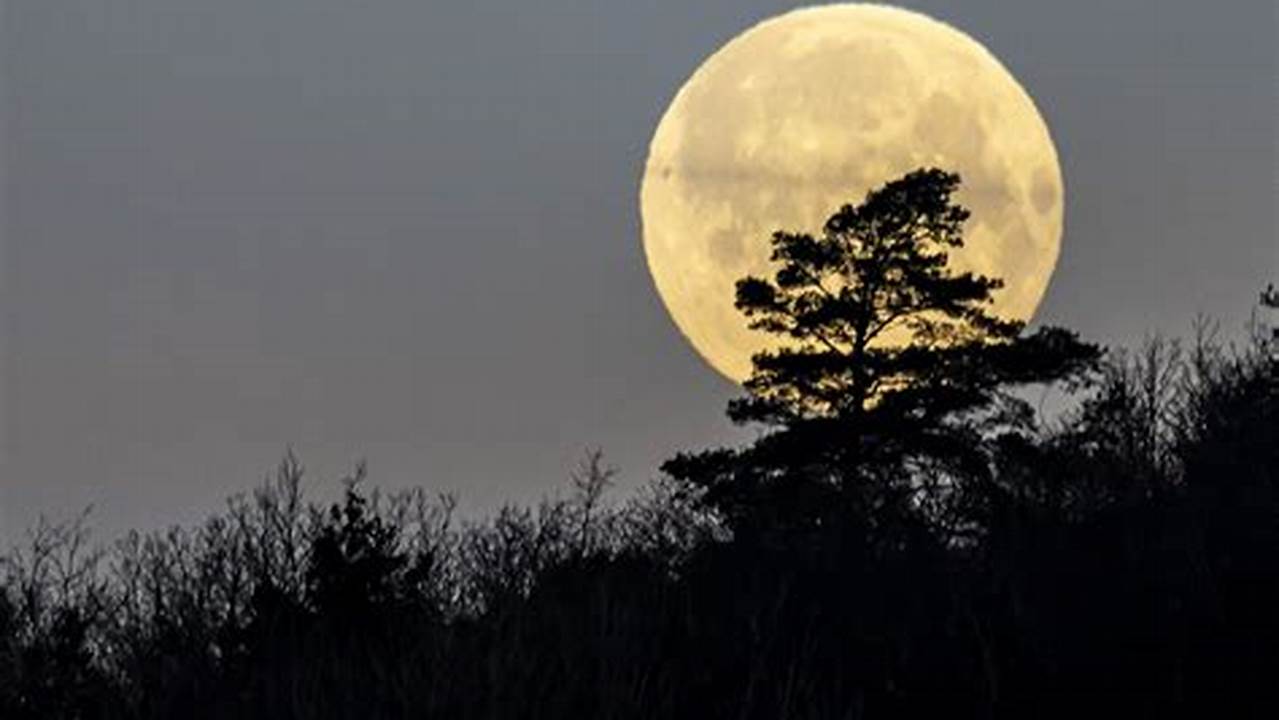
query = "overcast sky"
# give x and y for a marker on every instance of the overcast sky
(407, 231)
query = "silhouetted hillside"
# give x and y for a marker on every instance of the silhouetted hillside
(905, 538)
(1124, 559)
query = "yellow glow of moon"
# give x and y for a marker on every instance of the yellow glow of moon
(810, 110)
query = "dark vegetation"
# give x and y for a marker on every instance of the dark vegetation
(907, 537)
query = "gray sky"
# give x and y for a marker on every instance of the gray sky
(407, 231)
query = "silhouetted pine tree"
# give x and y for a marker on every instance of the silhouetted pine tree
(893, 368)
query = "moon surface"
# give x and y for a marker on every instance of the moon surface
(810, 110)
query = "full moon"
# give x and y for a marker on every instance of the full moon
(810, 110)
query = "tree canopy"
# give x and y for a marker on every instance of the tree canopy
(891, 356)
(902, 541)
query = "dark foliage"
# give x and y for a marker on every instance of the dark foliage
(1123, 562)
(956, 557)
(895, 369)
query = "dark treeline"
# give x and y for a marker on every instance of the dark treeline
(906, 538)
